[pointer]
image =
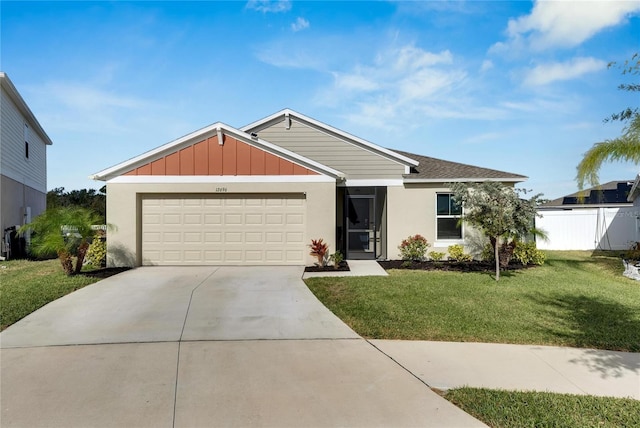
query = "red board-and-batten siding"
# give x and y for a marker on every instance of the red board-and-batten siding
(210, 158)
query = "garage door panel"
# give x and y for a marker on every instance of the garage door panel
(224, 229)
(233, 219)
(213, 237)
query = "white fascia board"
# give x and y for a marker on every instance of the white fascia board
(372, 183)
(143, 158)
(211, 129)
(13, 93)
(464, 180)
(578, 207)
(634, 189)
(331, 130)
(219, 179)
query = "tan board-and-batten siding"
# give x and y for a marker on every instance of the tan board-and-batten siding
(328, 150)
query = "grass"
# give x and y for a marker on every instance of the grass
(28, 285)
(575, 299)
(506, 409)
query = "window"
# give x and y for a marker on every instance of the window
(26, 141)
(448, 213)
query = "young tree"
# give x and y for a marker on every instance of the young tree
(497, 210)
(65, 231)
(623, 148)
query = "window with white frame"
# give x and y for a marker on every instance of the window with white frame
(448, 214)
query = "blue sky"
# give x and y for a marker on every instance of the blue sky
(517, 86)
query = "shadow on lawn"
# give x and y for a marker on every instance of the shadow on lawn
(595, 323)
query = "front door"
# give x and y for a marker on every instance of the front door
(361, 228)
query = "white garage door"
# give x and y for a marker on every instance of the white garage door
(224, 229)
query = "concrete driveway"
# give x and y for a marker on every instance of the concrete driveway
(204, 346)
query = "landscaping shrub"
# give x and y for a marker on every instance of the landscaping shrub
(414, 248)
(633, 253)
(319, 249)
(97, 253)
(527, 253)
(456, 252)
(336, 258)
(436, 256)
(487, 254)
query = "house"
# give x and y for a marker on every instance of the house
(599, 218)
(260, 193)
(23, 163)
(634, 192)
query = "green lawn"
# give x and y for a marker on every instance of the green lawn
(573, 300)
(28, 285)
(510, 409)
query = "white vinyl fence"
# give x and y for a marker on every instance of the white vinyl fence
(589, 228)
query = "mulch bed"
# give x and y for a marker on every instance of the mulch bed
(104, 272)
(343, 267)
(453, 266)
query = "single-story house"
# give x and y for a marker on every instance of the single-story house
(259, 194)
(23, 166)
(599, 218)
(634, 192)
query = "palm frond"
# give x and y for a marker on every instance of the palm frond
(624, 148)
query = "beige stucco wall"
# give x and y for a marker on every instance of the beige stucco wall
(411, 209)
(124, 212)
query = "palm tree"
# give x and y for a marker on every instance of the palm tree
(65, 231)
(624, 148)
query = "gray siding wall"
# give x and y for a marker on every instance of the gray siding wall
(15, 198)
(13, 164)
(355, 162)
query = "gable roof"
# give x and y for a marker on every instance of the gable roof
(613, 193)
(13, 93)
(212, 130)
(287, 114)
(433, 170)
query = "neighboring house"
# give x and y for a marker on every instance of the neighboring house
(259, 194)
(23, 161)
(634, 192)
(600, 218)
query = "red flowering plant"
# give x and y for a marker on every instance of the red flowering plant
(414, 248)
(319, 249)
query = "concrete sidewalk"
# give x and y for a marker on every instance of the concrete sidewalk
(356, 268)
(446, 365)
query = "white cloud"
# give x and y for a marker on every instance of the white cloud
(81, 107)
(403, 87)
(482, 138)
(544, 74)
(486, 65)
(354, 82)
(564, 23)
(299, 25)
(266, 6)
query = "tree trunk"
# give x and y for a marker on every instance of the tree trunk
(82, 251)
(496, 252)
(65, 261)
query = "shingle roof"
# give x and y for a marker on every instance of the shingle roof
(613, 192)
(438, 169)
